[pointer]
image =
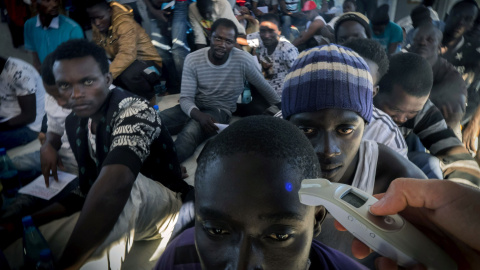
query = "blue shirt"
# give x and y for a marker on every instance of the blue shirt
(393, 33)
(43, 40)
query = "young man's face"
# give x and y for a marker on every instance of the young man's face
(81, 81)
(222, 42)
(247, 219)
(100, 17)
(335, 135)
(399, 105)
(349, 30)
(48, 7)
(348, 7)
(269, 33)
(378, 29)
(426, 43)
(460, 20)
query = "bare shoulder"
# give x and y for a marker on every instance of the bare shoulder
(391, 166)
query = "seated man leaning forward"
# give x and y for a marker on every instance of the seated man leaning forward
(247, 211)
(328, 95)
(135, 61)
(126, 159)
(404, 95)
(381, 128)
(212, 80)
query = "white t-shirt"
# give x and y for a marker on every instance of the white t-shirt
(281, 59)
(56, 116)
(18, 78)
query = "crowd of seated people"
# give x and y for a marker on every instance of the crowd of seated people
(348, 97)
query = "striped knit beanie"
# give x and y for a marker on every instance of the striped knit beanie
(328, 77)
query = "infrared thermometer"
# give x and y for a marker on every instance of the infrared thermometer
(391, 236)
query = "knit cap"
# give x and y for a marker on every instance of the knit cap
(328, 77)
(354, 16)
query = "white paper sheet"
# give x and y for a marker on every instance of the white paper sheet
(38, 189)
(263, 9)
(221, 127)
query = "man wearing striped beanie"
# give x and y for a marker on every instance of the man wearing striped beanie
(328, 95)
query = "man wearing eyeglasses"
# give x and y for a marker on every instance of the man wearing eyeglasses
(212, 80)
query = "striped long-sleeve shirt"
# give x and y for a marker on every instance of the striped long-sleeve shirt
(205, 85)
(430, 126)
(383, 130)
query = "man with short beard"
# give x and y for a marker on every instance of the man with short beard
(212, 80)
(47, 30)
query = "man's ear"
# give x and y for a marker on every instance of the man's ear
(109, 78)
(320, 214)
(375, 90)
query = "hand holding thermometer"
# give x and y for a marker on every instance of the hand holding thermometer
(391, 236)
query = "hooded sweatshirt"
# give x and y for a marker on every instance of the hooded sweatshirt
(126, 41)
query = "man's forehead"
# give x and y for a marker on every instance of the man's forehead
(246, 172)
(81, 66)
(268, 24)
(224, 31)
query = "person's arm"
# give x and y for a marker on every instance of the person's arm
(309, 33)
(49, 158)
(446, 211)
(36, 61)
(283, 7)
(274, 9)
(110, 192)
(28, 107)
(159, 14)
(242, 41)
(396, 38)
(127, 49)
(189, 85)
(471, 132)
(449, 93)
(206, 121)
(255, 10)
(104, 203)
(255, 77)
(392, 165)
(195, 18)
(392, 47)
(290, 56)
(456, 162)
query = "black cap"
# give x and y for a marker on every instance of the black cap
(354, 16)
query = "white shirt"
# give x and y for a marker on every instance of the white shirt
(18, 78)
